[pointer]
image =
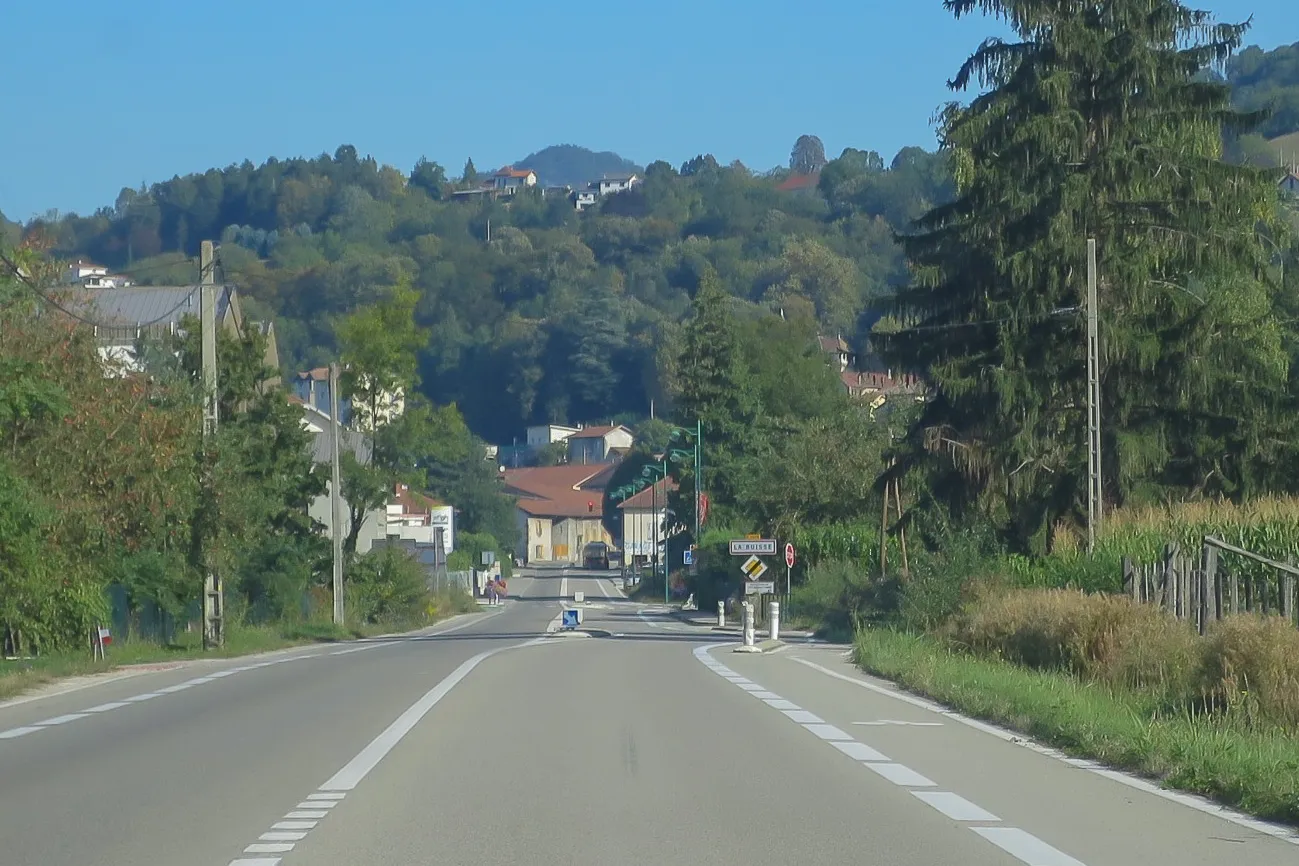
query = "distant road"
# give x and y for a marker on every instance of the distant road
(482, 742)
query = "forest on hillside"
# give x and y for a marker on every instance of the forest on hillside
(560, 315)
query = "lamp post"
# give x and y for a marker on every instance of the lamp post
(677, 455)
(657, 472)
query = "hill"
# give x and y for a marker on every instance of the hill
(1268, 79)
(571, 165)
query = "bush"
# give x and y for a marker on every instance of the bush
(1108, 639)
(838, 594)
(1250, 669)
(386, 585)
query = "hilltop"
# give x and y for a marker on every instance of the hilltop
(571, 165)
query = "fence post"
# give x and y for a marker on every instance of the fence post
(1234, 590)
(1287, 596)
(1130, 582)
(1170, 577)
(1208, 581)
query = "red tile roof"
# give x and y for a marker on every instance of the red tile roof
(564, 503)
(412, 502)
(546, 479)
(797, 182)
(320, 374)
(646, 498)
(511, 171)
(597, 432)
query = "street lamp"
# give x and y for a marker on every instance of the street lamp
(677, 455)
(658, 472)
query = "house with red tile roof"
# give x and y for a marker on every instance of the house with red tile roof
(558, 510)
(598, 444)
(800, 183)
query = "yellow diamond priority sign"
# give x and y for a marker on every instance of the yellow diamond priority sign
(753, 568)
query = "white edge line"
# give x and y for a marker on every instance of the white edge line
(1026, 847)
(1192, 801)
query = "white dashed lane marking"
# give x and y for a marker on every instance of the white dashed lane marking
(1019, 844)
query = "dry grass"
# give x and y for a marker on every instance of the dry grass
(1250, 667)
(1246, 670)
(1097, 637)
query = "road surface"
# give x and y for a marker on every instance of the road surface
(483, 742)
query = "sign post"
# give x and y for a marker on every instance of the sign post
(789, 568)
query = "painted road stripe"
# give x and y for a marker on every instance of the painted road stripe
(318, 804)
(269, 848)
(61, 720)
(828, 732)
(359, 767)
(103, 708)
(171, 690)
(307, 813)
(326, 795)
(900, 775)
(859, 751)
(803, 717)
(283, 836)
(256, 861)
(294, 825)
(1025, 846)
(750, 687)
(780, 704)
(954, 806)
(147, 696)
(766, 696)
(13, 733)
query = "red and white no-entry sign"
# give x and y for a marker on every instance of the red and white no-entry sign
(789, 555)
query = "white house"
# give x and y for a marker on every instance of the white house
(510, 180)
(546, 434)
(609, 185)
(412, 516)
(599, 444)
(643, 516)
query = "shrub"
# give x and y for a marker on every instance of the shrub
(386, 585)
(1102, 638)
(1250, 668)
(838, 593)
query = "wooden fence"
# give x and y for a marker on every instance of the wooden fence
(1194, 587)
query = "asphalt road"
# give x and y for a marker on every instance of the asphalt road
(484, 742)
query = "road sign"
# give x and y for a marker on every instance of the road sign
(688, 557)
(572, 618)
(753, 568)
(748, 546)
(789, 556)
(760, 587)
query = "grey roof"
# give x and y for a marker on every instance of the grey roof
(144, 305)
(348, 440)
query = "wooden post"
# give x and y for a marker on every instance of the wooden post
(1234, 591)
(1287, 597)
(902, 530)
(1170, 577)
(1208, 581)
(1130, 584)
(884, 532)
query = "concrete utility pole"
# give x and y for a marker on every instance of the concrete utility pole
(213, 595)
(1094, 487)
(336, 495)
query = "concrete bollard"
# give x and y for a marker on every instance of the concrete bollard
(721, 614)
(773, 612)
(748, 625)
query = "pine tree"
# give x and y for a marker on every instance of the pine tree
(716, 388)
(1096, 123)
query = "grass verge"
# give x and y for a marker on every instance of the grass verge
(23, 675)
(1255, 771)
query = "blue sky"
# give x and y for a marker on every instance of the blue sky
(103, 95)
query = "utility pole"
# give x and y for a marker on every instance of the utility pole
(336, 494)
(1094, 489)
(213, 596)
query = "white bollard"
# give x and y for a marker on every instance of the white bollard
(748, 624)
(773, 611)
(721, 614)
